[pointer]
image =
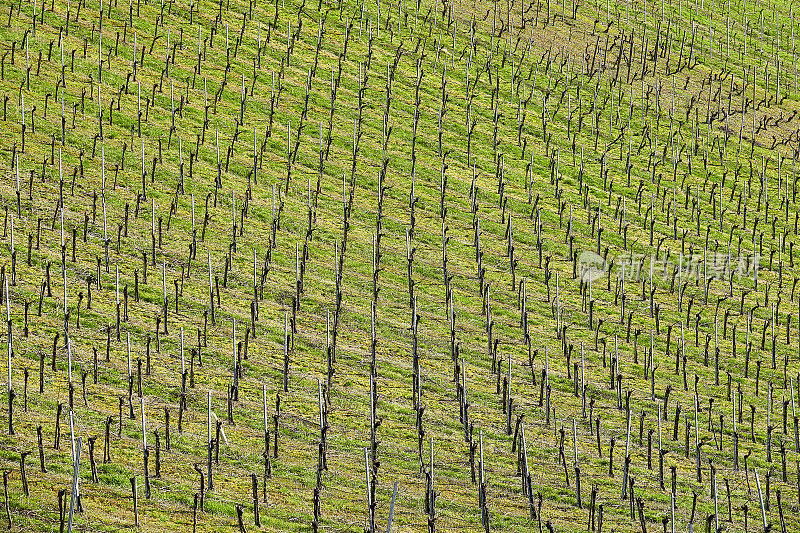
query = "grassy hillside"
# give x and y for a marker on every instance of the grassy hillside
(280, 161)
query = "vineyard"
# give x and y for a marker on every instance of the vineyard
(409, 265)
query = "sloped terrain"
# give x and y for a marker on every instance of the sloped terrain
(361, 233)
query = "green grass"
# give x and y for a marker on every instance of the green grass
(289, 505)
